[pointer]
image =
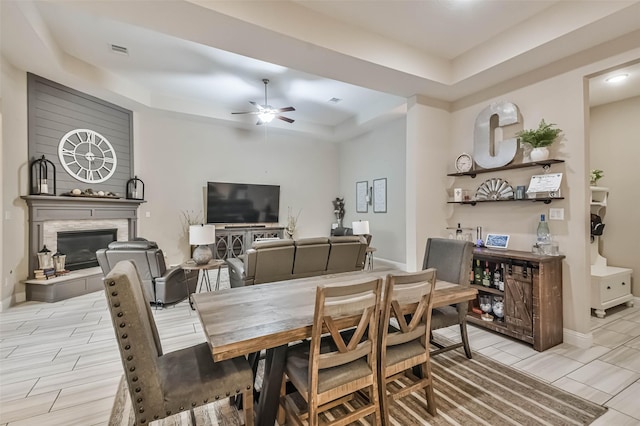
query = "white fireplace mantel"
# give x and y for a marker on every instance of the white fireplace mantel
(43, 208)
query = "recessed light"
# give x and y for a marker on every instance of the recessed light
(616, 78)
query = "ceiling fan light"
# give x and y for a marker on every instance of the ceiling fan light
(266, 117)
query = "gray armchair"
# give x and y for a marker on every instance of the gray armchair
(160, 285)
(452, 259)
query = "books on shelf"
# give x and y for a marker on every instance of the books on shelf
(45, 274)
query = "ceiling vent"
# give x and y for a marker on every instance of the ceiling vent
(335, 100)
(121, 50)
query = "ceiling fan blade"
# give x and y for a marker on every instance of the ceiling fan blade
(260, 122)
(257, 105)
(288, 120)
(285, 109)
(246, 112)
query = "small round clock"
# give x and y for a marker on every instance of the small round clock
(87, 156)
(464, 162)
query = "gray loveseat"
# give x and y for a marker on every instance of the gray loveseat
(160, 285)
(279, 260)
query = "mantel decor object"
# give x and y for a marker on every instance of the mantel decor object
(43, 177)
(135, 189)
(45, 260)
(202, 236)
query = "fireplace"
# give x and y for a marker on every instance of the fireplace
(80, 246)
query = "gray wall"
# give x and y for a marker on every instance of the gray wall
(55, 110)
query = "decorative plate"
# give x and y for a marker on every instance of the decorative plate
(494, 189)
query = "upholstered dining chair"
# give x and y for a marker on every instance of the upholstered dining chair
(404, 337)
(328, 371)
(162, 384)
(452, 259)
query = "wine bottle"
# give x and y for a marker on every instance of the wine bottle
(496, 276)
(486, 276)
(478, 273)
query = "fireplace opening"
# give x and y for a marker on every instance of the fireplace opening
(80, 246)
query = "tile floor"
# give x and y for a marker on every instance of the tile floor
(59, 364)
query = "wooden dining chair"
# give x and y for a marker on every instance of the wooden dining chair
(329, 371)
(162, 384)
(404, 337)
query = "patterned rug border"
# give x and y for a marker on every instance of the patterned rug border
(468, 391)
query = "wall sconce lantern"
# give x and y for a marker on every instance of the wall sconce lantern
(135, 189)
(43, 177)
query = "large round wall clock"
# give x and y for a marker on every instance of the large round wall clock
(87, 156)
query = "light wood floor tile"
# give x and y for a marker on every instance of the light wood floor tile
(628, 401)
(579, 354)
(517, 349)
(93, 413)
(17, 390)
(604, 376)
(624, 326)
(499, 355)
(78, 377)
(18, 409)
(582, 390)
(625, 357)
(635, 343)
(548, 367)
(90, 392)
(22, 362)
(39, 370)
(609, 338)
(615, 418)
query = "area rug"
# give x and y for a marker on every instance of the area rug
(476, 391)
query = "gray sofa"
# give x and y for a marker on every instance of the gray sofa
(280, 260)
(160, 285)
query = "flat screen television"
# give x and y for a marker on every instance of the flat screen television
(242, 203)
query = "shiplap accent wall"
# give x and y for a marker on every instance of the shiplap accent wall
(55, 109)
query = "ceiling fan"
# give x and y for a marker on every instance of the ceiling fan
(266, 113)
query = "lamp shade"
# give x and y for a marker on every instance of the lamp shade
(202, 235)
(360, 227)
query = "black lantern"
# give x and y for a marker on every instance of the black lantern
(135, 189)
(43, 177)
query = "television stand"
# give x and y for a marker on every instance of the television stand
(233, 241)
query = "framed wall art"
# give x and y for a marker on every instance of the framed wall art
(380, 195)
(362, 204)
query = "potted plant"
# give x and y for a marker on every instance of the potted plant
(540, 139)
(595, 176)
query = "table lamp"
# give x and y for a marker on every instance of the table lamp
(201, 236)
(360, 227)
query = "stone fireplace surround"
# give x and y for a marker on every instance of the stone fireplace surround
(51, 214)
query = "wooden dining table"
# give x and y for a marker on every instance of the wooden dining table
(246, 320)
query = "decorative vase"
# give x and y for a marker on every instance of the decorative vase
(539, 154)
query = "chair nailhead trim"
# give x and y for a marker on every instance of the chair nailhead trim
(117, 304)
(124, 336)
(193, 404)
(143, 421)
(127, 347)
(122, 325)
(112, 283)
(138, 390)
(237, 390)
(132, 369)
(139, 400)
(206, 400)
(135, 379)
(169, 413)
(130, 357)
(156, 417)
(228, 393)
(115, 293)
(181, 408)
(141, 410)
(217, 396)
(120, 314)
(248, 387)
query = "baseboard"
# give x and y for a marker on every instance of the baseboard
(7, 302)
(390, 263)
(579, 340)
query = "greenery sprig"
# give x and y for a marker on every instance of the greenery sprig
(543, 136)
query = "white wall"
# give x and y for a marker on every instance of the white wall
(377, 154)
(175, 155)
(615, 149)
(15, 174)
